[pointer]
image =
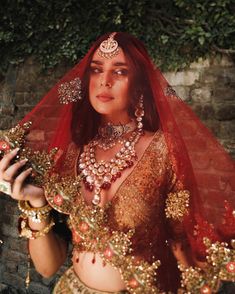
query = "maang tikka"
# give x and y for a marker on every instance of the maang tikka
(109, 47)
(70, 91)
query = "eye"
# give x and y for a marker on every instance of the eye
(121, 72)
(95, 69)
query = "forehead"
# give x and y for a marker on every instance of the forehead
(120, 58)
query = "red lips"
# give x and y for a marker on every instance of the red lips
(104, 97)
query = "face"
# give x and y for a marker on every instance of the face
(109, 87)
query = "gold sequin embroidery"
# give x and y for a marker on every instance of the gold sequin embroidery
(177, 204)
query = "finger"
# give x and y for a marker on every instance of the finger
(5, 161)
(9, 173)
(17, 191)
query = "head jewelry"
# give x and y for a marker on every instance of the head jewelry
(109, 47)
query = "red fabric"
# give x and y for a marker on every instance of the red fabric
(199, 161)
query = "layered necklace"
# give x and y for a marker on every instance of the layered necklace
(98, 176)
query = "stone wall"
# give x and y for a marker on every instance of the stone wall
(208, 86)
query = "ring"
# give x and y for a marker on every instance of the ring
(5, 187)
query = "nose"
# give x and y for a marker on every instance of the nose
(106, 80)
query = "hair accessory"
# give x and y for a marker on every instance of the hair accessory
(26, 232)
(37, 214)
(5, 187)
(70, 91)
(109, 47)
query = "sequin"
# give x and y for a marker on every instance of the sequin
(177, 204)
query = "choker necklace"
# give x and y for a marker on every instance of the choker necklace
(109, 135)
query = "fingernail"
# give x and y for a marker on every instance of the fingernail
(24, 160)
(15, 150)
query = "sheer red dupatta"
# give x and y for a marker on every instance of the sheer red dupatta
(198, 160)
(204, 168)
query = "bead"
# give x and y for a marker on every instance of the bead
(89, 186)
(93, 259)
(89, 179)
(205, 290)
(58, 199)
(83, 227)
(133, 283)
(105, 185)
(76, 237)
(104, 263)
(82, 166)
(96, 200)
(230, 267)
(101, 169)
(130, 163)
(118, 175)
(139, 112)
(4, 146)
(107, 178)
(114, 170)
(108, 253)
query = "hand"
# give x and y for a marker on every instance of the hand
(9, 173)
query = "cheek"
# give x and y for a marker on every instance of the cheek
(92, 86)
(124, 91)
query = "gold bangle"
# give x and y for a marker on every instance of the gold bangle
(37, 214)
(26, 232)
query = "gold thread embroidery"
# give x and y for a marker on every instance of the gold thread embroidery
(220, 267)
(91, 232)
(40, 162)
(177, 204)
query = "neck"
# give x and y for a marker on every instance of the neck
(115, 120)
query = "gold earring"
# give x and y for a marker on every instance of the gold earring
(70, 91)
(139, 113)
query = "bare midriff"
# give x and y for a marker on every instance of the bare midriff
(96, 275)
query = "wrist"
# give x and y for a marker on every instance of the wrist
(33, 232)
(37, 214)
(38, 226)
(37, 203)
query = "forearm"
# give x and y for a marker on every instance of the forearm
(48, 252)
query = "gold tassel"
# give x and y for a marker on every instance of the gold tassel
(27, 279)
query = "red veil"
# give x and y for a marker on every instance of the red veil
(199, 161)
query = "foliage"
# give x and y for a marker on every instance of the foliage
(176, 32)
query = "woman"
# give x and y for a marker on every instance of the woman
(134, 170)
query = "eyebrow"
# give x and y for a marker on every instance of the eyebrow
(115, 64)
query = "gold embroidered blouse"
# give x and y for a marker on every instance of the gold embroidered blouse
(132, 231)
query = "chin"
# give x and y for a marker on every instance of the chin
(103, 110)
